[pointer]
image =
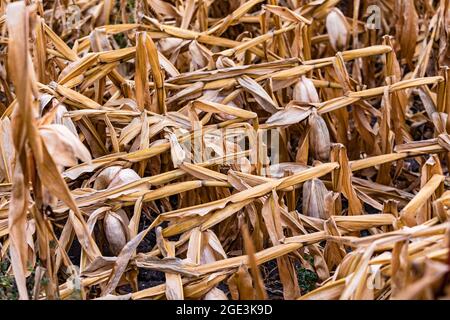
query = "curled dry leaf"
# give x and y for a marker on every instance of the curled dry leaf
(290, 115)
(60, 141)
(176, 150)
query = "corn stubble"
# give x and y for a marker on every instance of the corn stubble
(99, 100)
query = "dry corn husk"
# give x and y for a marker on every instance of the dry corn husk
(305, 91)
(338, 29)
(319, 137)
(215, 294)
(314, 194)
(116, 230)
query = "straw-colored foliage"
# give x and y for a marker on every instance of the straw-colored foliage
(132, 146)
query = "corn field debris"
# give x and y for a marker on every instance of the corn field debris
(202, 149)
